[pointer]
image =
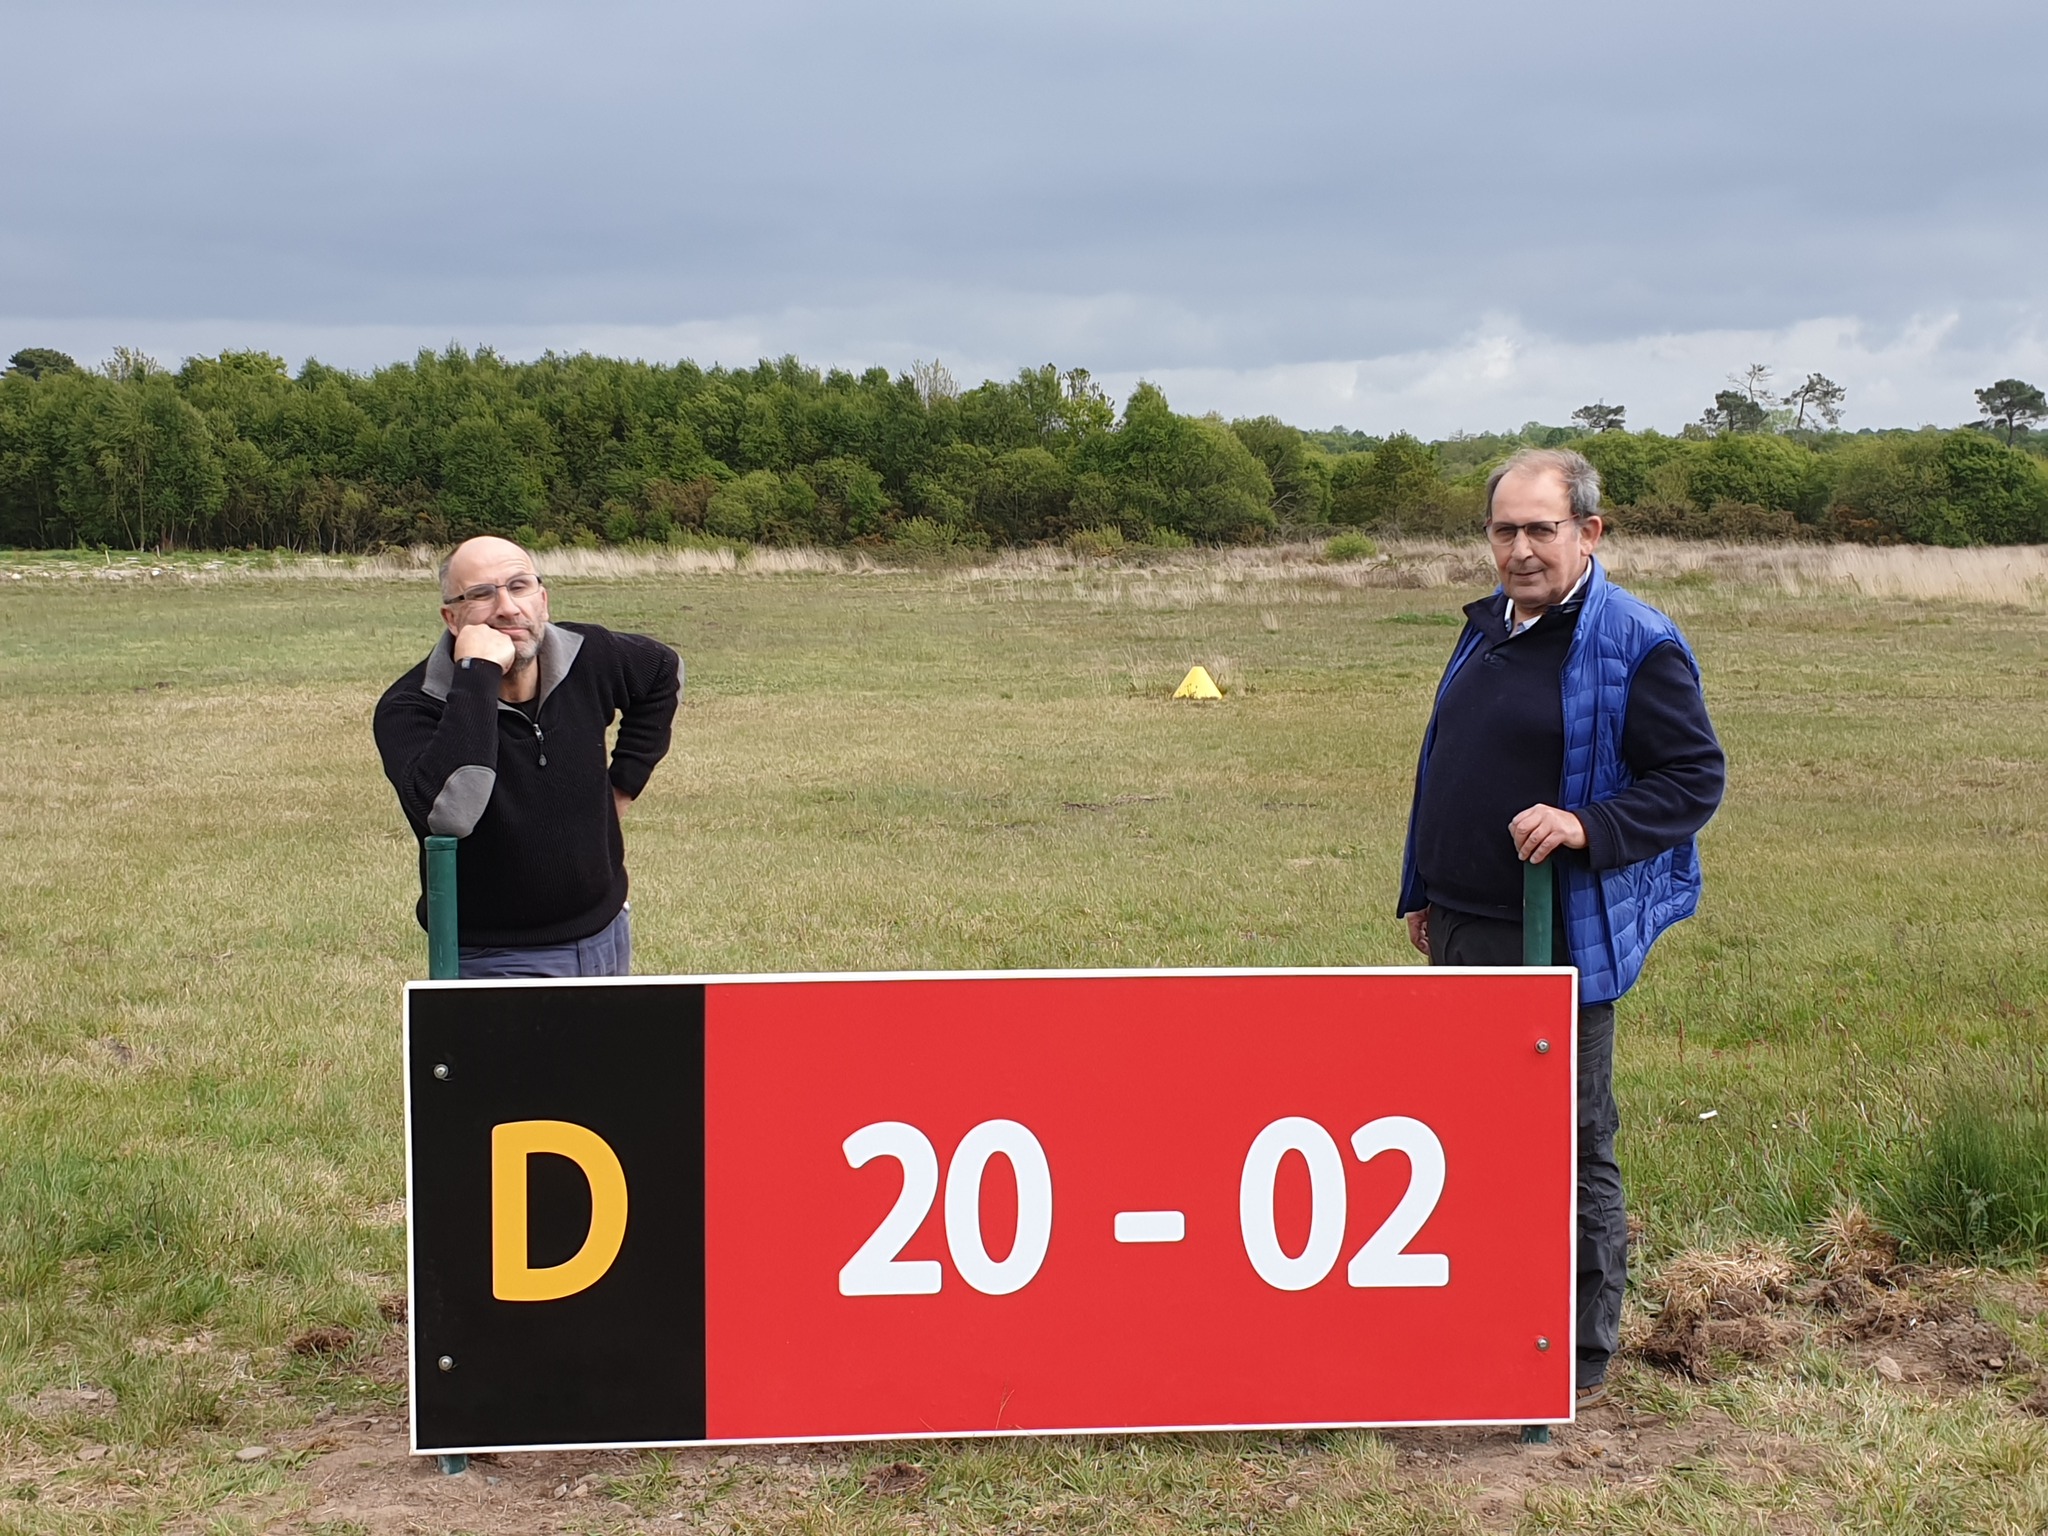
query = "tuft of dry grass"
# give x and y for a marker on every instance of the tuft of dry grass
(1848, 1242)
(1708, 1302)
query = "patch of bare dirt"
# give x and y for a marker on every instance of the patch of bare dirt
(895, 1478)
(1909, 1325)
(1612, 1445)
(1931, 1333)
(362, 1475)
(56, 1402)
(331, 1339)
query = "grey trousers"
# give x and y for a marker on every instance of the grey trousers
(608, 952)
(1459, 938)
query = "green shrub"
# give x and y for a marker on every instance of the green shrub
(1938, 488)
(1754, 469)
(1167, 538)
(924, 538)
(744, 508)
(1350, 546)
(1739, 521)
(1975, 1185)
(1627, 460)
(621, 523)
(1104, 543)
(1388, 487)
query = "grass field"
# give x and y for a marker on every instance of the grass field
(205, 919)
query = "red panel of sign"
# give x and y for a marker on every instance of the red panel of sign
(961, 1204)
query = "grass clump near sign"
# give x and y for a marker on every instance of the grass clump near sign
(1973, 1185)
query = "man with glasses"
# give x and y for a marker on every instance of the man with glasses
(498, 738)
(1569, 729)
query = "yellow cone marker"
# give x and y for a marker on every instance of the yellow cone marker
(1198, 685)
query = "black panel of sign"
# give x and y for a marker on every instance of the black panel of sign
(588, 1368)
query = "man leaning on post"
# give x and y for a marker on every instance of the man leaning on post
(1569, 729)
(498, 738)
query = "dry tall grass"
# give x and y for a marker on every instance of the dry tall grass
(2011, 576)
(2015, 576)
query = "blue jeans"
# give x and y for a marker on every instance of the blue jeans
(608, 952)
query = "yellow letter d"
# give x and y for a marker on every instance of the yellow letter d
(511, 1145)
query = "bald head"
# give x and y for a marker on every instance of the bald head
(485, 551)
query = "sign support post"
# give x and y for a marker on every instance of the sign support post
(1539, 903)
(444, 963)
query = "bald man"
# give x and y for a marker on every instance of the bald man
(498, 738)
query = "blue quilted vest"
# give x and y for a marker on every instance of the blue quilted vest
(1612, 916)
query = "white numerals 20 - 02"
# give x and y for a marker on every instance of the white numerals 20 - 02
(876, 1271)
(1381, 1262)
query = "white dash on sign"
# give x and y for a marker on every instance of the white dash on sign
(1150, 1226)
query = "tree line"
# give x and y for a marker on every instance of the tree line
(236, 451)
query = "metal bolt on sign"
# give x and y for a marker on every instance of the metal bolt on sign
(444, 963)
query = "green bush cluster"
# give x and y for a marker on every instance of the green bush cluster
(235, 451)
(1925, 487)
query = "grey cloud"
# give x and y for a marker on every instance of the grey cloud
(1148, 186)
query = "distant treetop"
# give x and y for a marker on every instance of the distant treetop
(38, 361)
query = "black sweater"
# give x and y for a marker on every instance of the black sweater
(1500, 749)
(541, 860)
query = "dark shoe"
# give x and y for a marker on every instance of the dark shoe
(1589, 1396)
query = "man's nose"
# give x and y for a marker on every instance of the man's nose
(504, 605)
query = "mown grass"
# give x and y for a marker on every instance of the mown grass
(205, 896)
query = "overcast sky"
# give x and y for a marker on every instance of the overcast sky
(1433, 216)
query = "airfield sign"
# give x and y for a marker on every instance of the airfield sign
(665, 1211)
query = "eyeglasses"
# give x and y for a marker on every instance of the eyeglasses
(519, 589)
(1505, 534)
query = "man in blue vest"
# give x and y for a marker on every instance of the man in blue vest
(1569, 729)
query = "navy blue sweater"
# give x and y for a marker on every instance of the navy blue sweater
(1500, 749)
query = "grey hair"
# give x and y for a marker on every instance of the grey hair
(1581, 479)
(441, 571)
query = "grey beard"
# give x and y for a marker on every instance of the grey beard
(524, 652)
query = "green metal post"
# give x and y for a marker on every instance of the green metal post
(444, 958)
(1539, 930)
(444, 963)
(1539, 910)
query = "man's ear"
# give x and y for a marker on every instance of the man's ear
(1590, 529)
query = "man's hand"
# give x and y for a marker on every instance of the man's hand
(620, 800)
(484, 643)
(1418, 929)
(1543, 829)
